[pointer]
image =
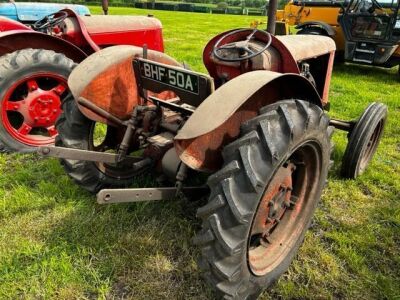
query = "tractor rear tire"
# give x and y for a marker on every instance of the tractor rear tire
(292, 138)
(32, 85)
(364, 140)
(76, 131)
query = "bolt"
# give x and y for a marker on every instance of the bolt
(54, 110)
(36, 119)
(45, 151)
(47, 119)
(15, 107)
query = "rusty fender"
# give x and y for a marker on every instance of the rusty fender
(107, 79)
(14, 40)
(216, 122)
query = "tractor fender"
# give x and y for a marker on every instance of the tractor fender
(14, 40)
(325, 26)
(216, 122)
(107, 79)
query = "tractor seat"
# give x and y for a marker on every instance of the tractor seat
(304, 46)
(106, 24)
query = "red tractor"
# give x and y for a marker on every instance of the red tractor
(255, 124)
(35, 62)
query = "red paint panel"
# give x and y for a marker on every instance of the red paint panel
(152, 38)
(7, 24)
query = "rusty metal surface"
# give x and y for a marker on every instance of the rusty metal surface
(284, 210)
(286, 63)
(217, 120)
(225, 101)
(303, 47)
(107, 79)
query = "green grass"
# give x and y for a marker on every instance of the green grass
(57, 243)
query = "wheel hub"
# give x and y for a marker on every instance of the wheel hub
(41, 108)
(283, 210)
(275, 202)
(37, 102)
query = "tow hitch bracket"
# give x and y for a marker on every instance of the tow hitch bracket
(109, 196)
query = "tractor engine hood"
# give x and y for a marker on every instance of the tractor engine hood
(31, 12)
(98, 24)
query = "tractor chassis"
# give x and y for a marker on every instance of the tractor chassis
(149, 159)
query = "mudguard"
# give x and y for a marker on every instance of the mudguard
(14, 40)
(216, 122)
(328, 28)
(107, 79)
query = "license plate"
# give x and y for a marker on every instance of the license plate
(174, 77)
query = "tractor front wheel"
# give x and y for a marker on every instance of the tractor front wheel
(364, 140)
(32, 84)
(263, 199)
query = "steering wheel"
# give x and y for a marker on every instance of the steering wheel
(50, 21)
(241, 46)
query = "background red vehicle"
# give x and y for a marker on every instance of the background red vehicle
(35, 62)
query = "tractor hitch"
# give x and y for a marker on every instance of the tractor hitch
(109, 196)
(77, 154)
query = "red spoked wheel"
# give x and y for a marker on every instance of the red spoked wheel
(32, 85)
(31, 107)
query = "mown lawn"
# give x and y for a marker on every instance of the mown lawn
(57, 243)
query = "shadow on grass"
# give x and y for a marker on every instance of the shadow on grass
(139, 250)
(374, 74)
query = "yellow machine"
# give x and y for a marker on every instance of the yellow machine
(310, 17)
(365, 31)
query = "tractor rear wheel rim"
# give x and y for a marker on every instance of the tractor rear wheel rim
(371, 146)
(31, 106)
(284, 209)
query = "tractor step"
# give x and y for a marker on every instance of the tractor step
(364, 53)
(109, 196)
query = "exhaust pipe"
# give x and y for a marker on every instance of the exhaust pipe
(271, 21)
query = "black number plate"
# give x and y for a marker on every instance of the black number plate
(191, 87)
(174, 77)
